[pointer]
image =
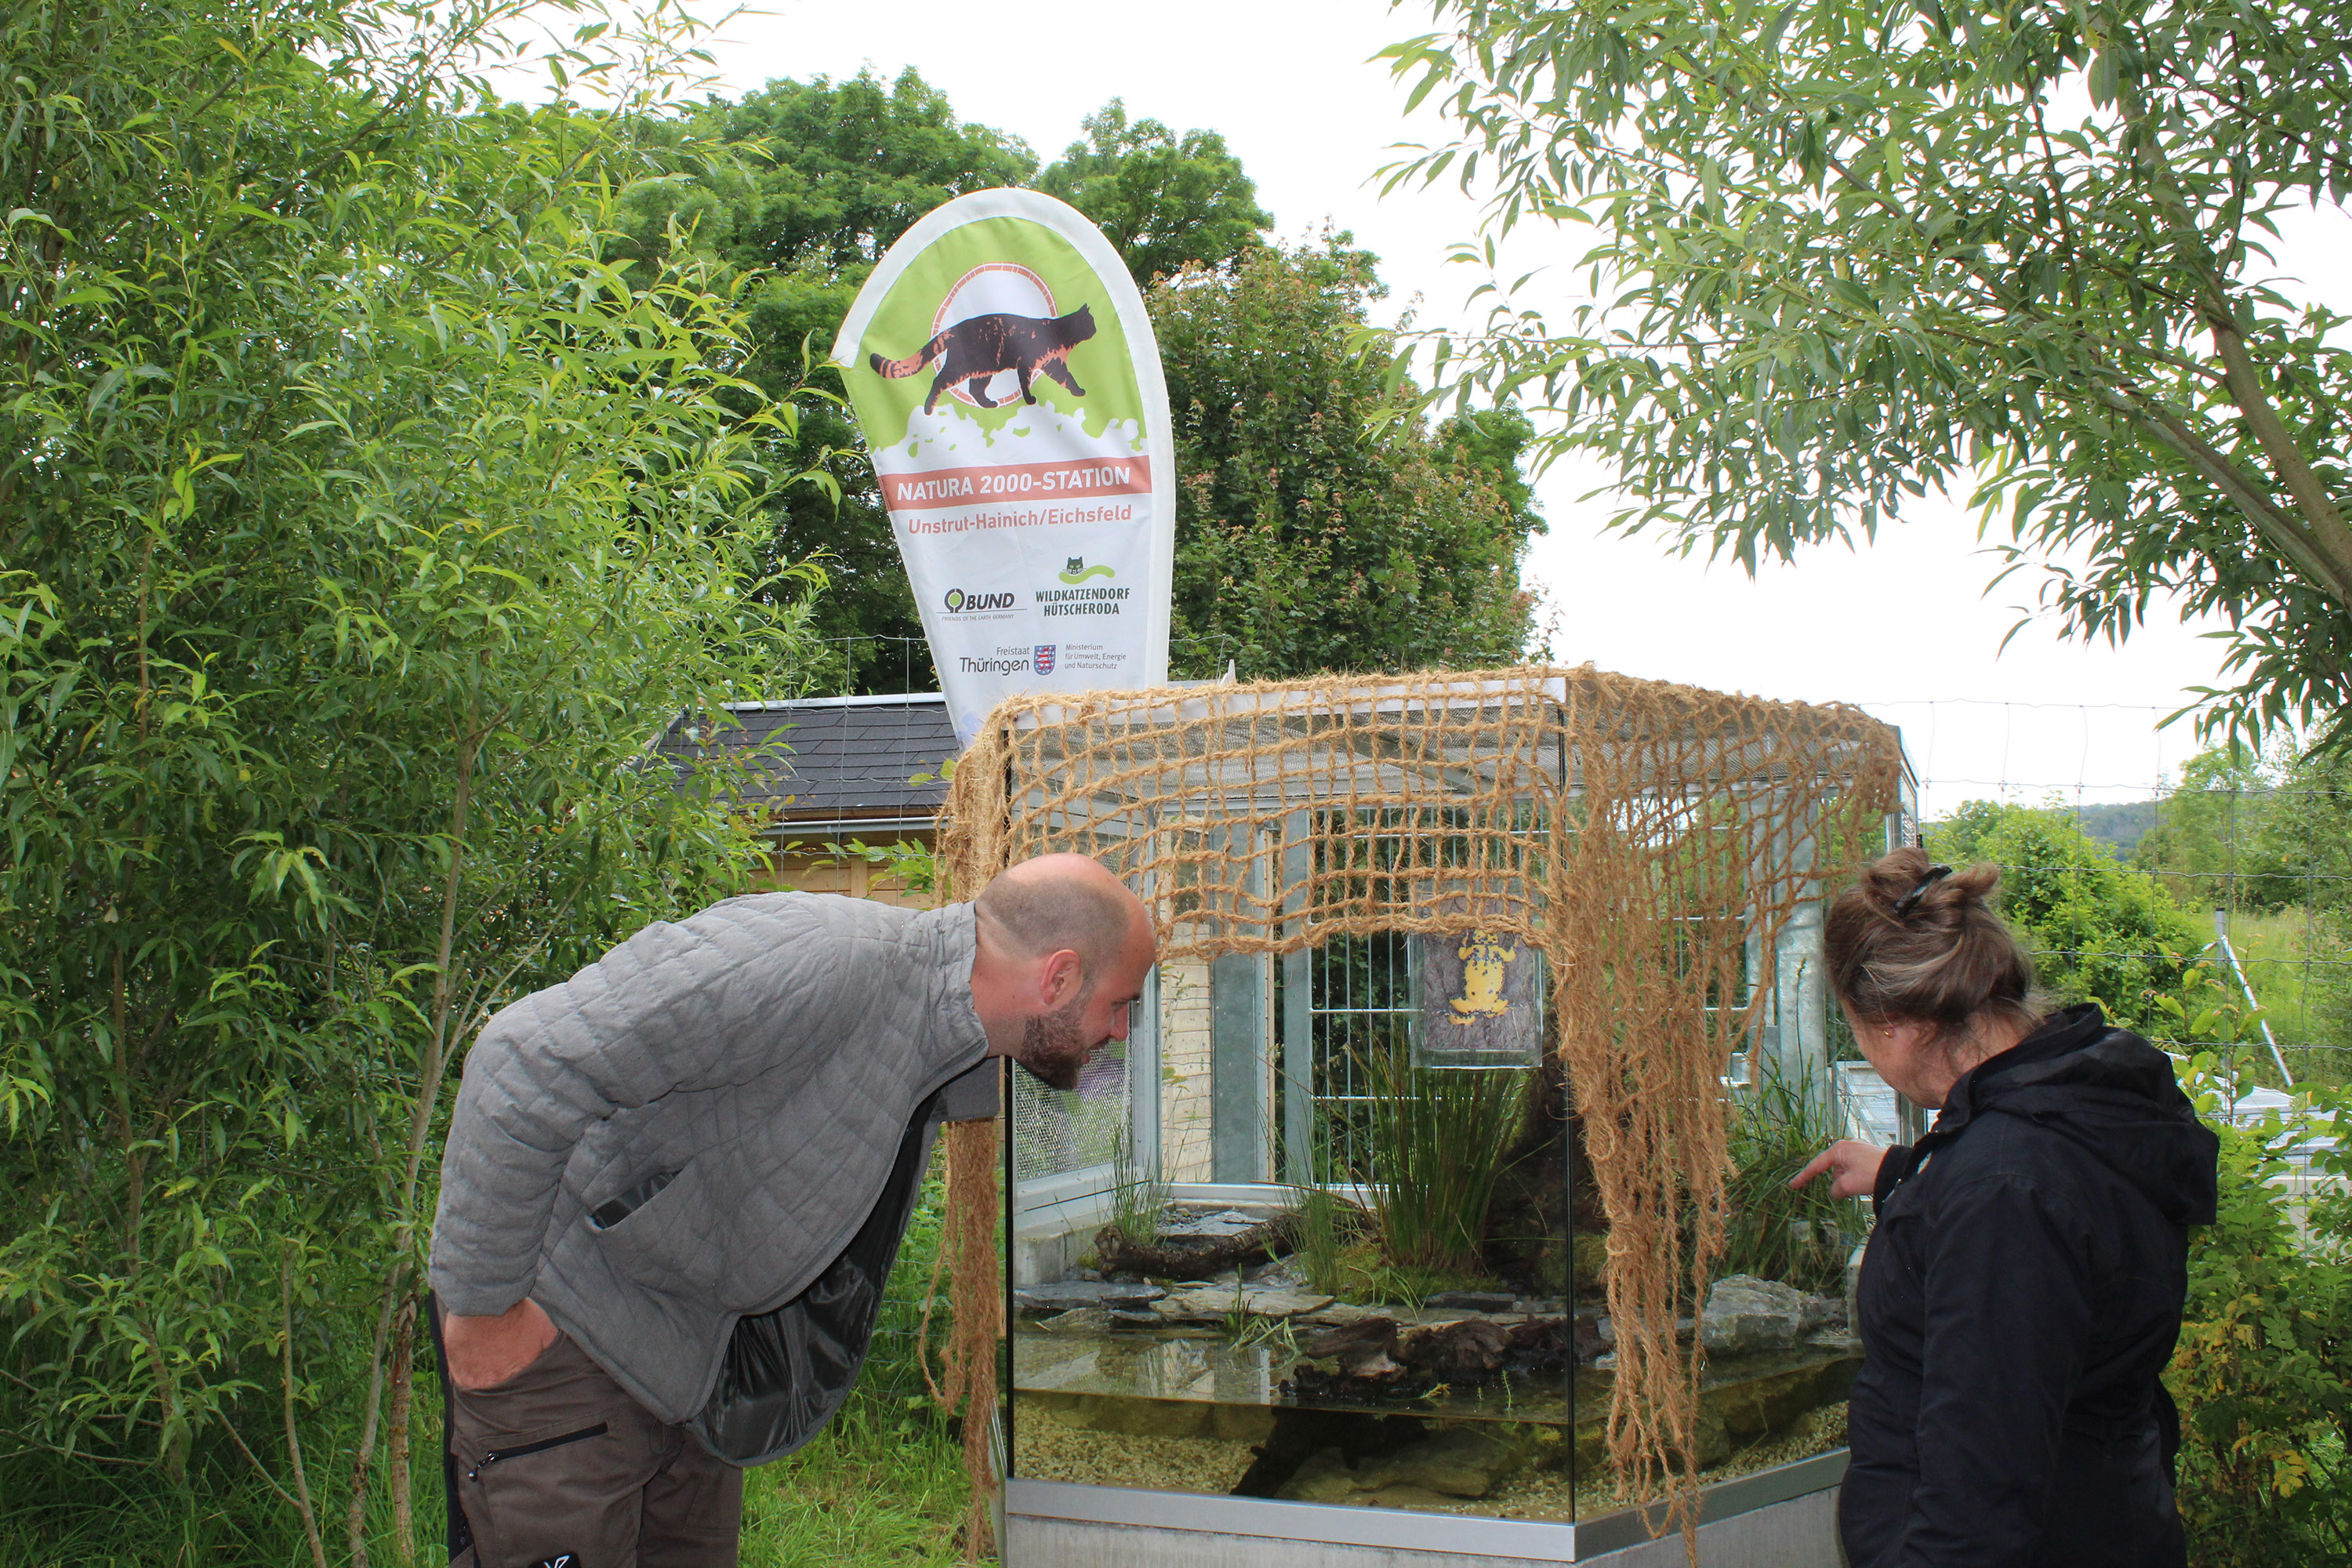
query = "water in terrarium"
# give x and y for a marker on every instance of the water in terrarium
(1417, 1318)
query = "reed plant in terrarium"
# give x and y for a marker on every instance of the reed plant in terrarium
(1800, 1237)
(1435, 1145)
(1138, 1198)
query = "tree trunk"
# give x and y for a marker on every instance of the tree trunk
(420, 1128)
(403, 1357)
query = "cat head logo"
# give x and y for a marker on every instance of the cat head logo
(995, 333)
(1043, 654)
(1077, 570)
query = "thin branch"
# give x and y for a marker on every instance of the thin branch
(263, 1470)
(293, 1441)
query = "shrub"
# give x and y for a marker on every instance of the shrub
(2263, 1371)
(2098, 929)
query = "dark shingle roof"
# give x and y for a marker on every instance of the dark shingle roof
(835, 759)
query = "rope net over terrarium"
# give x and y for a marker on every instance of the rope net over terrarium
(1649, 841)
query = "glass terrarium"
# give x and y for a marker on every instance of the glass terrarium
(1326, 1249)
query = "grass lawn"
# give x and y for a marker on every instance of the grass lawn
(871, 1490)
(873, 1487)
(2301, 974)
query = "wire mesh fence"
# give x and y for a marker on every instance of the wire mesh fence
(2138, 866)
(2141, 866)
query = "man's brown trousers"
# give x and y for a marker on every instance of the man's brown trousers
(559, 1466)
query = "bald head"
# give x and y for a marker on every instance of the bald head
(1063, 948)
(1058, 903)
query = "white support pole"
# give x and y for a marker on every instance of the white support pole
(2230, 957)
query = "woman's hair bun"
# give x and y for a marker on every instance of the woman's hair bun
(1915, 941)
(1904, 885)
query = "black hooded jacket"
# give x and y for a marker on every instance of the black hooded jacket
(2021, 1294)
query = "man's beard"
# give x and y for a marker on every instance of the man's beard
(1054, 1046)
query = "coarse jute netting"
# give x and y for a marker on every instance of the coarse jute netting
(1649, 841)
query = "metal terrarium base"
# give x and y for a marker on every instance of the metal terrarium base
(1781, 1518)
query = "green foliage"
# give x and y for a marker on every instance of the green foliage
(2301, 849)
(2247, 831)
(1165, 202)
(862, 1492)
(2198, 847)
(1306, 540)
(1800, 1236)
(1847, 253)
(2263, 1371)
(1439, 1140)
(2270, 841)
(883, 1482)
(821, 177)
(362, 521)
(904, 865)
(2098, 930)
(799, 188)
(1138, 1198)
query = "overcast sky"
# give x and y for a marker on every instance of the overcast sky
(1903, 627)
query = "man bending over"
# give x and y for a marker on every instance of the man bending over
(675, 1183)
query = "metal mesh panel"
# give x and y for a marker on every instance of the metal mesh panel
(1056, 1132)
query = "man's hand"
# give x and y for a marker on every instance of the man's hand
(487, 1350)
(1854, 1164)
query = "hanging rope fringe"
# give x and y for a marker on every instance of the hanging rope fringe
(1651, 840)
(967, 1379)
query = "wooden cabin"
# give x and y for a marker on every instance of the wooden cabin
(839, 782)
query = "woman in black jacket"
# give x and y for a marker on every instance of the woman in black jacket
(2022, 1290)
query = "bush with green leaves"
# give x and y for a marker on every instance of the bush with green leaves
(2098, 929)
(2262, 1374)
(360, 524)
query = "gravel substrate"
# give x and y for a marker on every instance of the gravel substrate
(1815, 1432)
(1049, 1451)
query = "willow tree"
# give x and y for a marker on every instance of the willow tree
(1848, 252)
(360, 524)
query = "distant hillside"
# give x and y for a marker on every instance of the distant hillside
(2119, 826)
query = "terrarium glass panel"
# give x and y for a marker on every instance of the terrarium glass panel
(1417, 1318)
(1326, 1229)
(1392, 1326)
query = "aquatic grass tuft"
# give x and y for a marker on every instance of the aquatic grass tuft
(1323, 1227)
(1138, 1198)
(1439, 1141)
(1800, 1237)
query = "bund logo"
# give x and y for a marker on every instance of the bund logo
(959, 603)
(1044, 658)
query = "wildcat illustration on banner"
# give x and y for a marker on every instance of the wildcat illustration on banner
(1004, 374)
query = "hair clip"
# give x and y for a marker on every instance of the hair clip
(1908, 901)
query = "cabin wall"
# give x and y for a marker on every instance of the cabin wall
(806, 868)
